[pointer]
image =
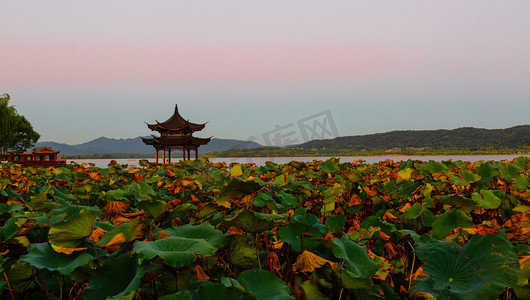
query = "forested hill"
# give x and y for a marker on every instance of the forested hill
(462, 138)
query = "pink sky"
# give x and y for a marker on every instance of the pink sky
(124, 62)
(430, 62)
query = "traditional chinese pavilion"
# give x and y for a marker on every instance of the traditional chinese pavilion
(38, 157)
(176, 133)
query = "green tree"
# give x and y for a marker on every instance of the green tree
(16, 132)
(23, 135)
(6, 116)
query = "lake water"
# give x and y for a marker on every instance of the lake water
(260, 161)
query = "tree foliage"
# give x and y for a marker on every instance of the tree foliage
(16, 132)
(6, 115)
(462, 138)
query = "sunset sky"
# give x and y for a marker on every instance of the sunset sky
(79, 70)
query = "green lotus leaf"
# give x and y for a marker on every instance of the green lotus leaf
(153, 209)
(175, 251)
(311, 291)
(278, 181)
(521, 183)
(300, 225)
(522, 161)
(241, 253)
(434, 167)
(448, 221)
(254, 222)
(180, 210)
(426, 190)
(204, 211)
(182, 295)
(19, 272)
(236, 189)
(405, 174)
(116, 195)
(213, 291)
(64, 196)
(71, 210)
(522, 289)
(360, 285)
(8, 192)
(486, 199)
(264, 285)
(204, 231)
(353, 176)
(287, 200)
(153, 178)
(68, 234)
(328, 166)
(464, 178)
(509, 171)
(9, 230)
(292, 235)
(117, 277)
(127, 229)
(90, 187)
(482, 269)
(207, 291)
(458, 201)
(142, 189)
(336, 222)
(331, 195)
(311, 221)
(487, 172)
(266, 199)
(358, 264)
(42, 256)
(143, 163)
(11, 208)
(413, 212)
(40, 197)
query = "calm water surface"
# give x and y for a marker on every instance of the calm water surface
(260, 161)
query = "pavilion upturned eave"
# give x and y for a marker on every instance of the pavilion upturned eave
(176, 122)
(158, 127)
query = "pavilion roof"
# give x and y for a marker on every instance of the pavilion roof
(43, 150)
(176, 141)
(176, 122)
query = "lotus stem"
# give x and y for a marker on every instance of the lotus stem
(257, 249)
(412, 268)
(9, 286)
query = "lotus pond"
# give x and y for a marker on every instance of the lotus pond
(316, 230)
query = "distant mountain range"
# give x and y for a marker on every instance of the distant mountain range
(105, 145)
(467, 138)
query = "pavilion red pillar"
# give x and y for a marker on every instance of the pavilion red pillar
(163, 156)
(189, 153)
(156, 155)
(169, 154)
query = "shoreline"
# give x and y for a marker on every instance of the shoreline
(140, 156)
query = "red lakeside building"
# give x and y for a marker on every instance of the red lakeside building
(38, 157)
